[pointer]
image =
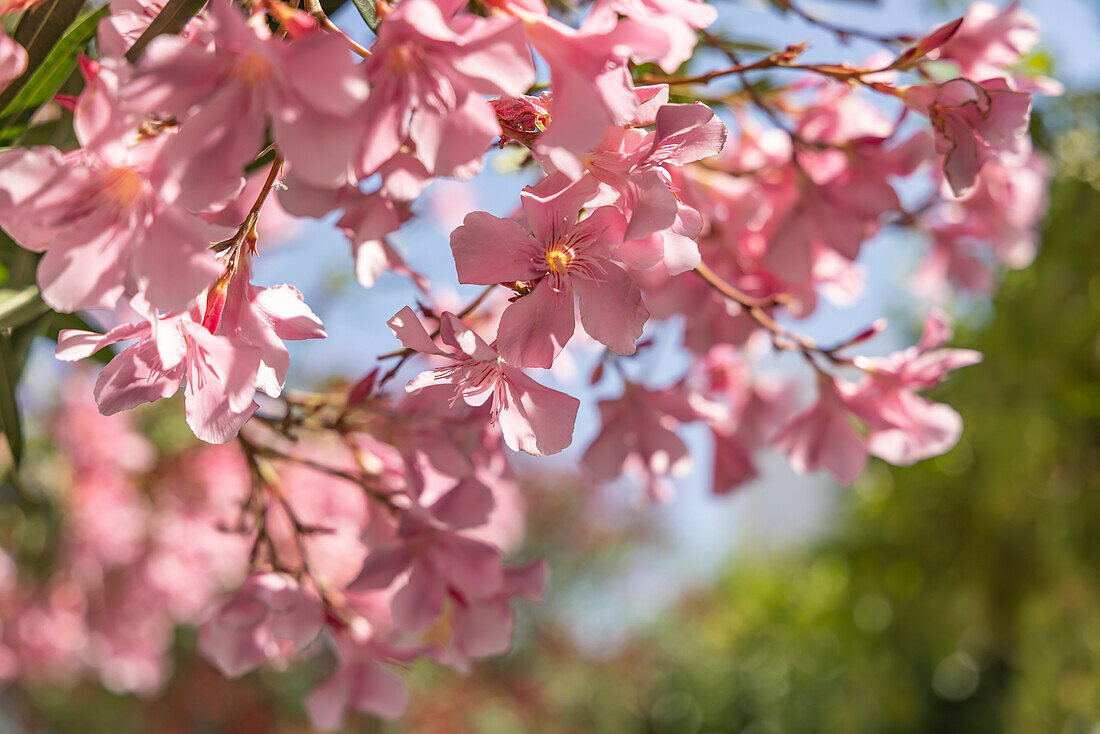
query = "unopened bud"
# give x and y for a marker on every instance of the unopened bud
(296, 22)
(89, 69)
(215, 302)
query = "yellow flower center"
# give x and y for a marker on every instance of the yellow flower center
(122, 187)
(404, 59)
(253, 68)
(559, 256)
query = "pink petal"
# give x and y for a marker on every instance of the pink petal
(411, 332)
(73, 344)
(483, 630)
(448, 141)
(467, 505)
(489, 250)
(687, 133)
(173, 262)
(535, 328)
(611, 308)
(382, 566)
(221, 384)
(134, 377)
(13, 60)
(419, 603)
(535, 419)
(470, 566)
(461, 337)
(324, 75)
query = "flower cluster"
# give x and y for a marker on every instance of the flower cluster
(374, 522)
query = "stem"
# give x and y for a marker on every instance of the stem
(755, 307)
(247, 229)
(313, 7)
(842, 32)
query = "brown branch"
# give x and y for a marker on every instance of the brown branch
(313, 7)
(756, 308)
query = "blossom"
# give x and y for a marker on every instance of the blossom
(823, 437)
(428, 73)
(13, 60)
(224, 94)
(101, 213)
(219, 376)
(591, 87)
(556, 255)
(742, 411)
(220, 371)
(991, 39)
(844, 190)
(636, 165)
(436, 560)
(360, 683)
(269, 618)
(532, 418)
(483, 627)
(903, 427)
(642, 423)
(974, 122)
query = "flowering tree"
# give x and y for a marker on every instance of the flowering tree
(373, 521)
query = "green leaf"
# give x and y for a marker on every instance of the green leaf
(10, 370)
(58, 65)
(19, 307)
(370, 17)
(171, 19)
(38, 32)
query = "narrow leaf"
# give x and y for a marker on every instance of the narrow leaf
(9, 410)
(370, 15)
(38, 32)
(19, 307)
(54, 70)
(171, 19)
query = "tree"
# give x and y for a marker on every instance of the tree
(372, 521)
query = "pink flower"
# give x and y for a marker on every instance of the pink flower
(843, 191)
(636, 165)
(269, 618)
(264, 318)
(101, 215)
(991, 40)
(974, 122)
(999, 217)
(483, 627)
(219, 376)
(822, 437)
(642, 423)
(591, 88)
(311, 90)
(676, 20)
(435, 559)
(532, 418)
(13, 60)
(904, 428)
(360, 683)
(428, 73)
(743, 414)
(556, 255)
